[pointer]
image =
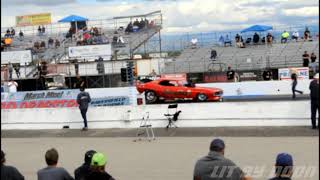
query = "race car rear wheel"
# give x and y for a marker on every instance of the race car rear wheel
(202, 97)
(151, 97)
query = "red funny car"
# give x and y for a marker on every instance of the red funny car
(170, 89)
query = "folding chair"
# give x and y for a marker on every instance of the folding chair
(172, 115)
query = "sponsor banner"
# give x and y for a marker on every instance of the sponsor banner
(285, 73)
(91, 51)
(56, 99)
(215, 77)
(248, 76)
(33, 19)
(182, 76)
(14, 57)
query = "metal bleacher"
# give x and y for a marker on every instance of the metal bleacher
(253, 57)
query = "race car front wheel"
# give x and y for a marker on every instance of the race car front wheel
(202, 97)
(151, 97)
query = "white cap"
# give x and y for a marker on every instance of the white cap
(316, 76)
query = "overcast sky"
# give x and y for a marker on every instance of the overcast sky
(179, 15)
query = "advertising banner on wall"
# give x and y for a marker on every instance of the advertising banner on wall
(21, 57)
(33, 19)
(285, 73)
(181, 77)
(91, 51)
(56, 99)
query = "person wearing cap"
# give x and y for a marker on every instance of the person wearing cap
(98, 163)
(9, 172)
(210, 167)
(52, 172)
(84, 169)
(314, 97)
(283, 167)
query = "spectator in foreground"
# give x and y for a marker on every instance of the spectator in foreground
(84, 169)
(314, 97)
(284, 167)
(294, 78)
(295, 36)
(83, 99)
(98, 172)
(305, 59)
(9, 172)
(284, 37)
(52, 172)
(206, 167)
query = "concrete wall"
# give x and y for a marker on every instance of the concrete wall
(263, 113)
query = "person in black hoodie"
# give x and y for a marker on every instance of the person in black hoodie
(314, 97)
(98, 171)
(83, 99)
(9, 172)
(84, 169)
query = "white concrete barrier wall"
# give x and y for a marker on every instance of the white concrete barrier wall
(262, 113)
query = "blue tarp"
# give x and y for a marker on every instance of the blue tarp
(257, 28)
(73, 18)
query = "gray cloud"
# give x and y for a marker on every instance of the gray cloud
(6, 3)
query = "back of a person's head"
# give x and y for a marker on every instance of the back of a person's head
(217, 145)
(98, 162)
(3, 160)
(88, 156)
(52, 157)
(82, 89)
(284, 164)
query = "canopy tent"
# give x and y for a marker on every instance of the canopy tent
(73, 19)
(257, 28)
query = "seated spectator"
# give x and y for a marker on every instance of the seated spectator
(43, 30)
(57, 43)
(194, 42)
(267, 75)
(283, 167)
(136, 23)
(295, 36)
(237, 38)
(213, 54)
(21, 35)
(306, 34)
(84, 169)
(227, 40)
(7, 42)
(269, 39)
(239, 41)
(129, 28)
(146, 22)
(39, 31)
(142, 24)
(52, 172)
(206, 167)
(8, 31)
(305, 59)
(256, 38)
(248, 41)
(151, 24)
(230, 74)
(50, 42)
(98, 171)
(221, 40)
(284, 37)
(13, 32)
(42, 45)
(36, 45)
(9, 172)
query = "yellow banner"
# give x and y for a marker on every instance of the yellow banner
(34, 19)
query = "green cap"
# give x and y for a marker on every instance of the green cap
(98, 159)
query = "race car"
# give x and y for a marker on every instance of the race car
(170, 89)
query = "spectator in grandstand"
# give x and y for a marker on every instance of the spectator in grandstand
(129, 28)
(136, 23)
(84, 169)
(267, 75)
(269, 39)
(295, 35)
(100, 65)
(294, 78)
(305, 59)
(13, 85)
(283, 167)
(21, 35)
(52, 172)
(50, 42)
(10, 69)
(98, 171)
(12, 32)
(239, 41)
(213, 55)
(42, 45)
(227, 40)
(39, 31)
(230, 74)
(9, 172)
(57, 43)
(120, 40)
(221, 40)
(313, 65)
(146, 22)
(79, 82)
(8, 33)
(206, 167)
(83, 99)
(306, 34)
(76, 67)
(17, 69)
(194, 42)
(314, 97)
(256, 38)
(284, 37)
(7, 42)
(153, 73)
(142, 24)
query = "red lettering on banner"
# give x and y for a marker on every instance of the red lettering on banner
(24, 104)
(32, 104)
(61, 103)
(72, 103)
(11, 105)
(3, 105)
(41, 104)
